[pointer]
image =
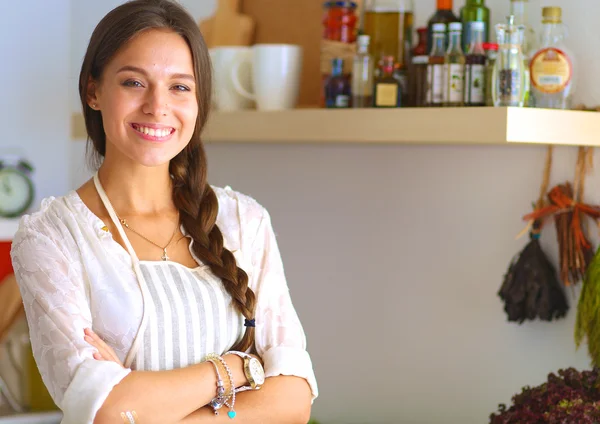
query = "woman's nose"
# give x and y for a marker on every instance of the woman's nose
(157, 103)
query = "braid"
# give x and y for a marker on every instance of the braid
(198, 207)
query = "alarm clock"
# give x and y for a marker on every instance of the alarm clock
(16, 189)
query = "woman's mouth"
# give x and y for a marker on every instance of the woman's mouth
(153, 134)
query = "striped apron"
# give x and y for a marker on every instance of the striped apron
(187, 312)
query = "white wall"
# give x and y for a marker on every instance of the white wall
(34, 110)
(394, 254)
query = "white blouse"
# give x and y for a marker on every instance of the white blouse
(72, 274)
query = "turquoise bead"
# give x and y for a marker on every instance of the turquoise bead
(231, 414)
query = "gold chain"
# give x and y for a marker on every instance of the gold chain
(164, 256)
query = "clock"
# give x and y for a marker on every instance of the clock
(16, 189)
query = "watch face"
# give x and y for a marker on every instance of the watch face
(257, 371)
(16, 192)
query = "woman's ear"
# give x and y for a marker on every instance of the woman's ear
(92, 94)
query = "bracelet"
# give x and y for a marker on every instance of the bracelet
(218, 402)
(129, 417)
(231, 414)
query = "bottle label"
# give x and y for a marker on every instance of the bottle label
(342, 100)
(475, 84)
(551, 70)
(454, 79)
(435, 84)
(386, 95)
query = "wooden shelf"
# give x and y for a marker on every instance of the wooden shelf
(8, 228)
(480, 125)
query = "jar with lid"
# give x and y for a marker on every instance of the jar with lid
(340, 21)
(389, 24)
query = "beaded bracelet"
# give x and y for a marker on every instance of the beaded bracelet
(231, 414)
(218, 402)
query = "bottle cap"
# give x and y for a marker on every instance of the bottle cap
(477, 25)
(455, 26)
(363, 40)
(490, 46)
(345, 4)
(439, 27)
(552, 15)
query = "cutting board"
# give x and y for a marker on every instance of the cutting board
(228, 27)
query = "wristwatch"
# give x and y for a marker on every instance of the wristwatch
(254, 371)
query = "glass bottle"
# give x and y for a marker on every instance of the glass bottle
(387, 90)
(390, 23)
(435, 67)
(552, 66)
(509, 71)
(519, 9)
(362, 75)
(337, 86)
(474, 11)
(491, 50)
(443, 15)
(454, 69)
(417, 76)
(475, 67)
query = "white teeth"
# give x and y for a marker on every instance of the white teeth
(153, 132)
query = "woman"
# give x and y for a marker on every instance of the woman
(138, 285)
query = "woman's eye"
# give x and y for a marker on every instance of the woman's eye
(180, 87)
(132, 83)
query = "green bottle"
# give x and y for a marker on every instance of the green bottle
(474, 11)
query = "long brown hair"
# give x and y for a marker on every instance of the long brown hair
(192, 195)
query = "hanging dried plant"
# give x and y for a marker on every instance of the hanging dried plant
(531, 288)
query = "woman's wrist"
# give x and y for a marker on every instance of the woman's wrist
(236, 365)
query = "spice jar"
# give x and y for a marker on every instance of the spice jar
(340, 21)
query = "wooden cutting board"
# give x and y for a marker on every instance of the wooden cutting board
(228, 27)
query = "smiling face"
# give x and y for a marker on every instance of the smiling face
(147, 97)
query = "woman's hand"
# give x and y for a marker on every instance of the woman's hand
(105, 352)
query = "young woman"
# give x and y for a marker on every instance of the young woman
(146, 288)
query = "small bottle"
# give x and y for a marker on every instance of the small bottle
(474, 11)
(337, 86)
(475, 81)
(362, 75)
(491, 50)
(509, 71)
(435, 67)
(387, 90)
(552, 66)
(454, 69)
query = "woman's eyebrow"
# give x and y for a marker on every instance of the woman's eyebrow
(143, 72)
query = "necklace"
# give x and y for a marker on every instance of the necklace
(164, 256)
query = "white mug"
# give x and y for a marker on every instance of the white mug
(225, 96)
(276, 71)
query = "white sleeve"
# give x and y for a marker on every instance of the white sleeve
(54, 296)
(280, 338)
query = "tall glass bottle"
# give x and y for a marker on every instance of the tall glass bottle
(362, 75)
(509, 71)
(337, 86)
(475, 71)
(389, 23)
(387, 90)
(435, 67)
(454, 69)
(520, 10)
(474, 11)
(552, 66)
(443, 15)
(417, 75)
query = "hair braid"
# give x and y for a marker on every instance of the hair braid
(198, 206)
